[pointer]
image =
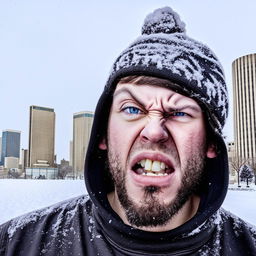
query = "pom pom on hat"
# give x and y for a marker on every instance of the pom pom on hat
(163, 20)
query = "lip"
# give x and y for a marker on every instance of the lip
(160, 181)
(142, 180)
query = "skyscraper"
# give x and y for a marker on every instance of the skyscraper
(71, 153)
(244, 90)
(24, 159)
(10, 144)
(0, 149)
(41, 137)
(82, 125)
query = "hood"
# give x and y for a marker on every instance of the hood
(206, 87)
(99, 184)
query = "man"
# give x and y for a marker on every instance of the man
(156, 169)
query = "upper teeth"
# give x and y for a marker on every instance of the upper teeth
(155, 166)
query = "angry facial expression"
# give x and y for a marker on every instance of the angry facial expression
(156, 146)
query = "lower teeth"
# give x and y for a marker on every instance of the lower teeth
(154, 174)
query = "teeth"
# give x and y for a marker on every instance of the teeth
(142, 163)
(153, 166)
(154, 174)
(156, 167)
(148, 165)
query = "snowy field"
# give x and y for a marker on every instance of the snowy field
(21, 196)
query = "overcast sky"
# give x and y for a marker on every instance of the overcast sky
(58, 53)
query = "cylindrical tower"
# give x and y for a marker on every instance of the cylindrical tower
(82, 125)
(244, 92)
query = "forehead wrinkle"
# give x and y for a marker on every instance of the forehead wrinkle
(192, 104)
(127, 91)
(160, 101)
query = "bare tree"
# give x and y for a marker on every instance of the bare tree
(63, 171)
(236, 163)
(13, 174)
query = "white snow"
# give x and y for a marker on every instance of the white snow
(22, 196)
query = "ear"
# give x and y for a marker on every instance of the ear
(103, 144)
(211, 151)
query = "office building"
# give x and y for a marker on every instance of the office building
(71, 153)
(82, 125)
(231, 149)
(41, 137)
(10, 144)
(244, 90)
(24, 159)
(11, 162)
(231, 161)
(0, 149)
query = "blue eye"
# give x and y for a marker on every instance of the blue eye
(132, 110)
(179, 114)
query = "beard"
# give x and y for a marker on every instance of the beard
(152, 212)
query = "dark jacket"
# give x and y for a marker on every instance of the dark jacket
(77, 227)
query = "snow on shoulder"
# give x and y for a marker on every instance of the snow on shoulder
(67, 208)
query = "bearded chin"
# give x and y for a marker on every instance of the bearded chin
(151, 212)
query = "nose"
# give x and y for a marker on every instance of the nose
(155, 131)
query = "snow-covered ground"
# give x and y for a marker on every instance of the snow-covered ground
(21, 196)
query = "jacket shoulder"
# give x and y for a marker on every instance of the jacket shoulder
(237, 224)
(237, 236)
(44, 225)
(231, 236)
(3, 237)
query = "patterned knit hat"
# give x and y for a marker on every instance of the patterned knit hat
(165, 51)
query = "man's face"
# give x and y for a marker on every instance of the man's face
(156, 151)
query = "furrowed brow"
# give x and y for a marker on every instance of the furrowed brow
(192, 107)
(127, 91)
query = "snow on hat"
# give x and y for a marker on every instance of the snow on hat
(165, 51)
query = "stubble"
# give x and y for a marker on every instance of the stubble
(152, 212)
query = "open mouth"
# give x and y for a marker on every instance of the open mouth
(149, 167)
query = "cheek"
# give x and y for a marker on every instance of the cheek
(189, 142)
(121, 133)
(114, 135)
(119, 136)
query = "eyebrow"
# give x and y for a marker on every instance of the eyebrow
(126, 90)
(190, 106)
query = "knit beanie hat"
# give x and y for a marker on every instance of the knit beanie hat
(165, 51)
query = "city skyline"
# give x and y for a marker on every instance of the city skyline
(59, 55)
(85, 126)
